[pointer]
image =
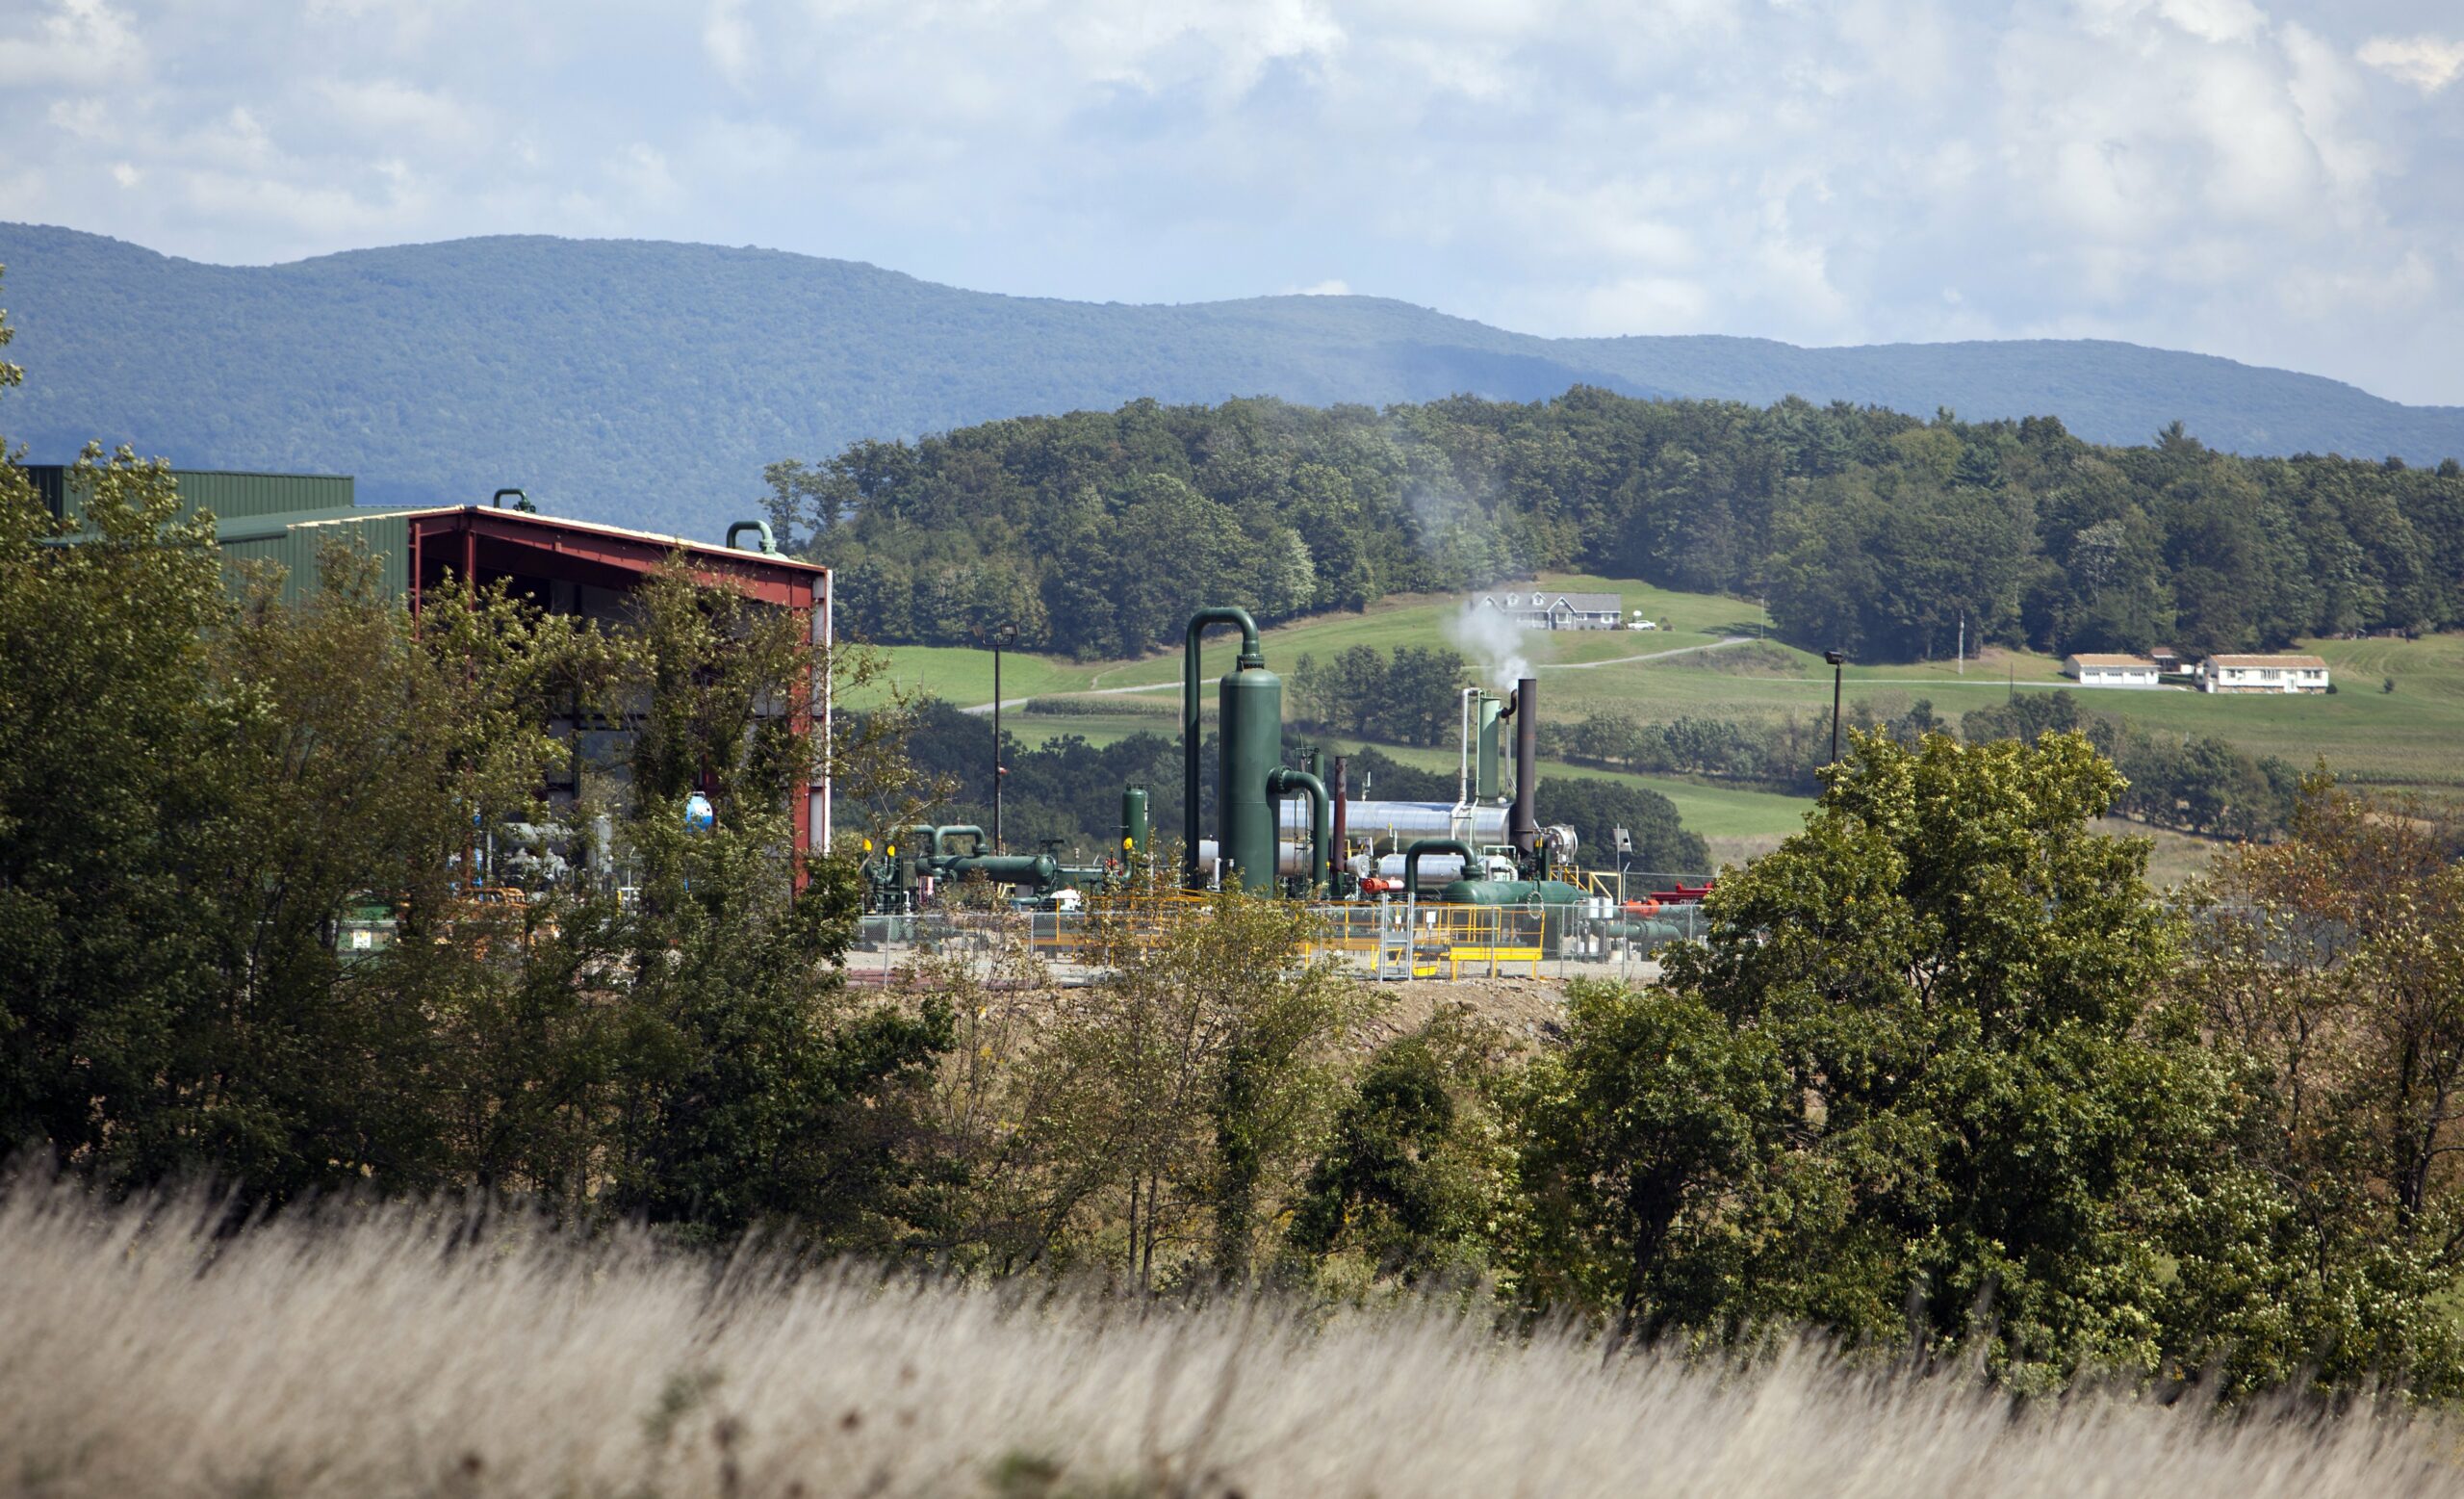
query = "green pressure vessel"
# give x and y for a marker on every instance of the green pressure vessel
(1488, 778)
(1133, 820)
(1039, 870)
(1510, 893)
(1249, 720)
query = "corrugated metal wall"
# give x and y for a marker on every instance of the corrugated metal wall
(230, 496)
(384, 534)
(233, 496)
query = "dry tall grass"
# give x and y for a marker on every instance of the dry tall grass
(388, 1356)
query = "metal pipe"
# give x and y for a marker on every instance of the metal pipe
(1837, 661)
(769, 544)
(1340, 829)
(1430, 845)
(1283, 781)
(942, 834)
(1251, 656)
(998, 771)
(1463, 765)
(1132, 824)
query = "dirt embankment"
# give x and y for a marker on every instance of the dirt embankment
(1531, 1010)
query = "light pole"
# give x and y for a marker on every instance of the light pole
(1835, 658)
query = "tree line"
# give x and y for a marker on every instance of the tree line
(1864, 529)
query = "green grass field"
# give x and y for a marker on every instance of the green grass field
(2403, 739)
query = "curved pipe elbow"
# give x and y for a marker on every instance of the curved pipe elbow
(1433, 845)
(1283, 780)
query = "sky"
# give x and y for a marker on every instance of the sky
(2277, 182)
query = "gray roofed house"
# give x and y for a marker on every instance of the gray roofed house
(1547, 608)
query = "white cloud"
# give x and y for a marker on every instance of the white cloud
(1334, 286)
(76, 43)
(2235, 175)
(2429, 63)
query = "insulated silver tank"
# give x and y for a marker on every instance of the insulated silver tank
(1290, 860)
(1404, 822)
(1436, 870)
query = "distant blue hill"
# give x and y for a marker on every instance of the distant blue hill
(647, 383)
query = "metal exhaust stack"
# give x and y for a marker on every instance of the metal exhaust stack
(1338, 834)
(1524, 826)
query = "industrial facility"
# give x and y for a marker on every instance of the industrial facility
(1413, 889)
(1409, 888)
(563, 566)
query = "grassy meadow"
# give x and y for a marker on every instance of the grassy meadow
(421, 1352)
(2404, 740)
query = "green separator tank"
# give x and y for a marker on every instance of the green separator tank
(1134, 825)
(1249, 700)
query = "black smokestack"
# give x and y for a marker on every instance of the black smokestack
(1339, 793)
(1524, 826)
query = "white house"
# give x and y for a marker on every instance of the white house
(2263, 674)
(1541, 609)
(2091, 670)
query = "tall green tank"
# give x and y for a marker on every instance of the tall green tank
(1132, 823)
(1250, 721)
(1488, 780)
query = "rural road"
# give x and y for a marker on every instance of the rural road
(1162, 686)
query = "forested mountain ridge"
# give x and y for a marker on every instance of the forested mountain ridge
(647, 383)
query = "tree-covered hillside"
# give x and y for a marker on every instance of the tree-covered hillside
(1862, 529)
(648, 383)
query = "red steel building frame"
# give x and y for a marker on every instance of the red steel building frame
(483, 543)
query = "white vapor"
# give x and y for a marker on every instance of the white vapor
(1493, 642)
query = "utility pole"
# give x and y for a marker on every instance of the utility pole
(1837, 659)
(1963, 642)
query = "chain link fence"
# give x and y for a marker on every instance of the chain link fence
(1392, 939)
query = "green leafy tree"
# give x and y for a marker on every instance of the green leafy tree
(2332, 967)
(107, 801)
(1954, 971)
(1646, 1142)
(1418, 1171)
(1181, 1096)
